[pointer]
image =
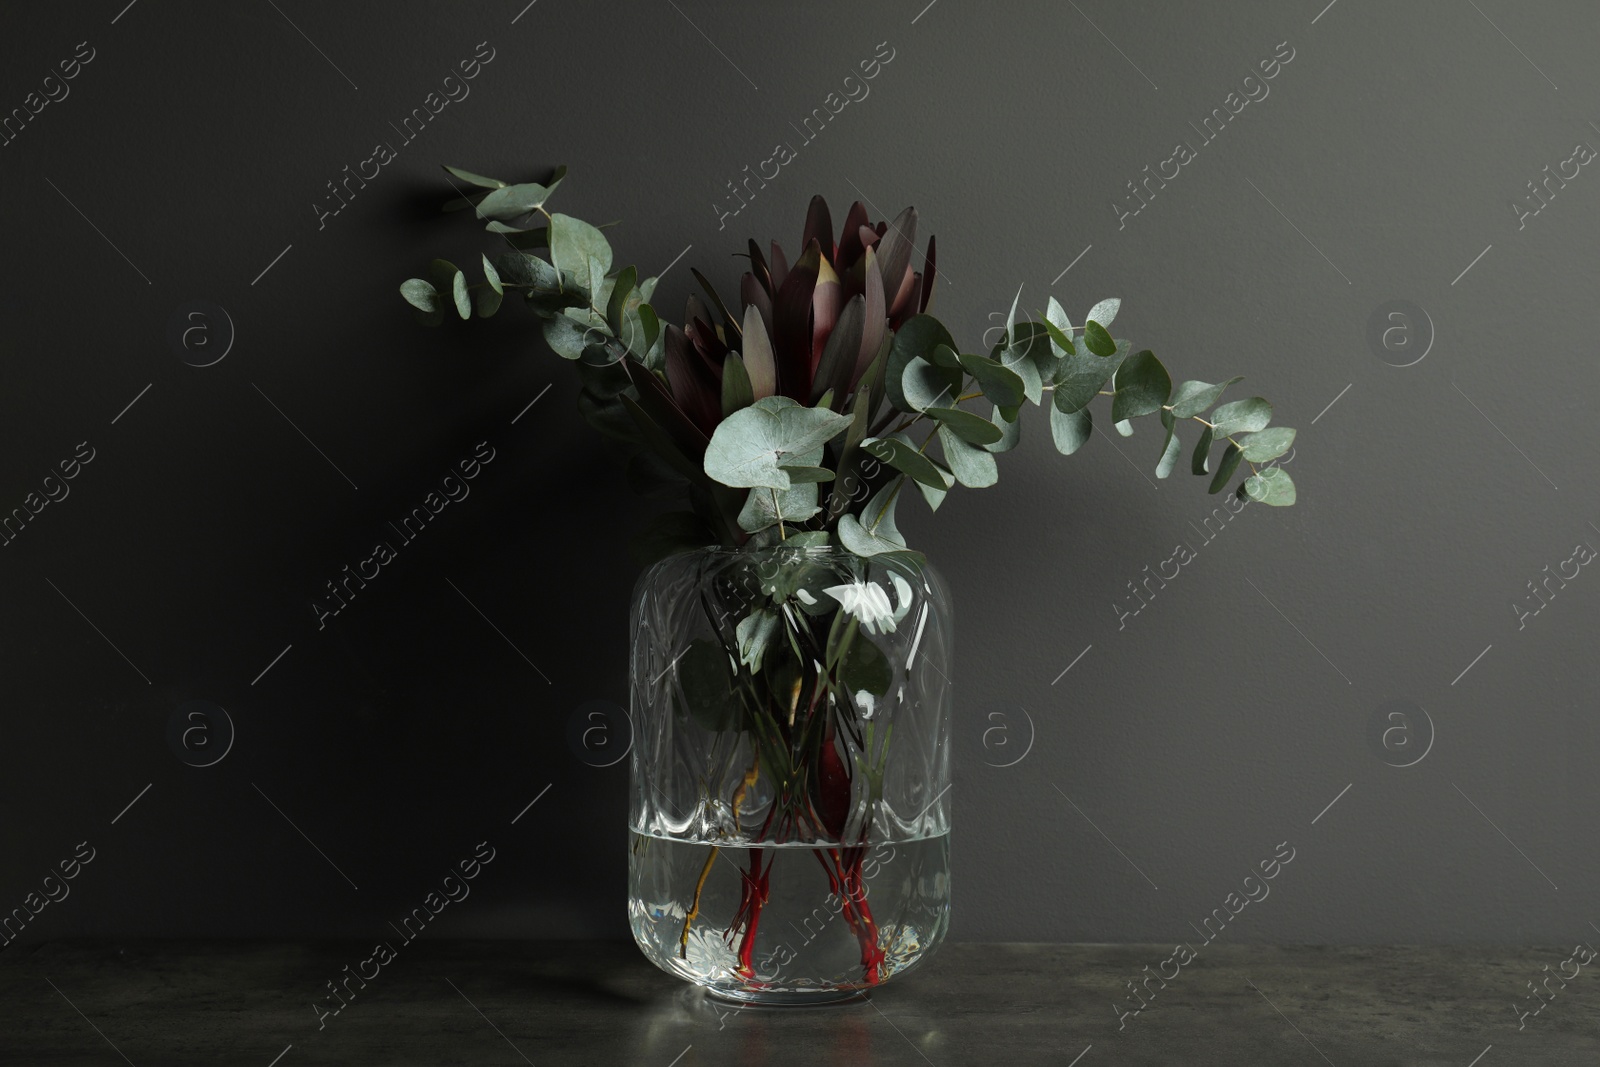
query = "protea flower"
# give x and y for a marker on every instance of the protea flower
(805, 329)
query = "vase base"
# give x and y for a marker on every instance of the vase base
(785, 998)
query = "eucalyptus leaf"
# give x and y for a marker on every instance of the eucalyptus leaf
(746, 447)
(650, 324)
(476, 179)
(972, 466)
(1098, 341)
(1010, 432)
(764, 507)
(875, 532)
(915, 339)
(1268, 444)
(420, 294)
(1079, 380)
(1002, 385)
(568, 337)
(801, 473)
(1141, 386)
(1169, 453)
(1241, 416)
(1272, 486)
(491, 275)
(1192, 397)
(1225, 468)
(925, 385)
(1104, 311)
(1201, 464)
(1060, 340)
(905, 457)
(622, 288)
(1022, 364)
(462, 295)
(538, 237)
(1070, 429)
(969, 426)
(754, 634)
(580, 248)
(1056, 316)
(513, 201)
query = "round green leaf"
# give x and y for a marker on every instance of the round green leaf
(511, 201)
(1191, 398)
(1099, 342)
(763, 507)
(904, 457)
(1141, 386)
(916, 339)
(925, 385)
(420, 295)
(491, 275)
(1272, 486)
(1060, 326)
(1201, 464)
(1104, 311)
(1266, 444)
(1079, 380)
(746, 447)
(968, 425)
(1230, 463)
(1242, 416)
(1002, 385)
(875, 532)
(1169, 453)
(476, 179)
(1070, 429)
(801, 473)
(971, 465)
(1010, 432)
(579, 248)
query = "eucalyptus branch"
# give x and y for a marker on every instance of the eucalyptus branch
(734, 417)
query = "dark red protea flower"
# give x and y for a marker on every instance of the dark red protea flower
(809, 328)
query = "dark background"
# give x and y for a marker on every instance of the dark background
(1183, 745)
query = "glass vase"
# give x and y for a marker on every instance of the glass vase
(790, 812)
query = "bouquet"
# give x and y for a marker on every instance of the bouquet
(798, 418)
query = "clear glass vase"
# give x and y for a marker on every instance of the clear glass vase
(790, 815)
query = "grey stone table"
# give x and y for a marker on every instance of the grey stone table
(260, 1004)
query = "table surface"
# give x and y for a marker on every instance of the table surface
(560, 1003)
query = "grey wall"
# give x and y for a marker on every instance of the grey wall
(1185, 743)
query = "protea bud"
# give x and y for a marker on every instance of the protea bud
(808, 328)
